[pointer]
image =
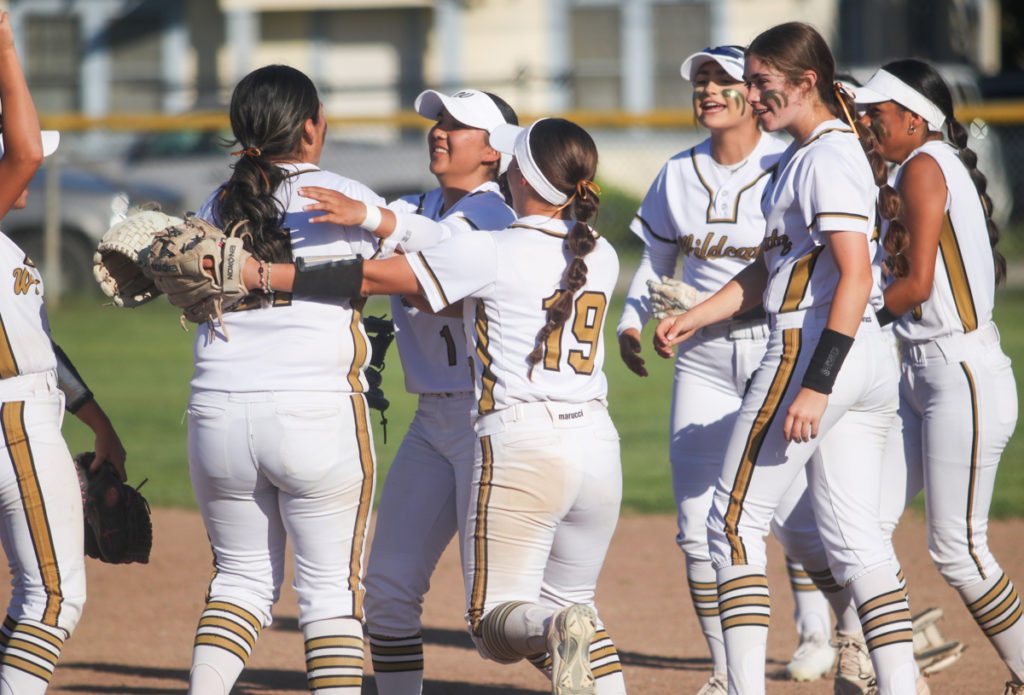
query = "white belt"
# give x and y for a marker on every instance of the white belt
(815, 316)
(559, 414)
(951, 348)
(754, 329)
(36, 385)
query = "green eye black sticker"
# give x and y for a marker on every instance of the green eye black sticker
(778, 98)
(879, 127)
(737, 98)
(699, 94)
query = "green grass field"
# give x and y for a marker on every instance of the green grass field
(138, 362)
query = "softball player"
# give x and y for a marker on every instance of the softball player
(425, 496)
(817, 286)
(547, 481)
(42, 524)
(705, 205)
(958, 400)
(279, 440)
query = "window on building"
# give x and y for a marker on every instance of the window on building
(136, 55)
(679, 30)
(596, 74)
(53, 75)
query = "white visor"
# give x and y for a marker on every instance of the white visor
(51, 138)
(514, 140)
(729, 57)
(468, 106)
(884, 86)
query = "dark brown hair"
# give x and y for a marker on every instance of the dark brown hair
(567, 156)
(927, 81)
(269, 109)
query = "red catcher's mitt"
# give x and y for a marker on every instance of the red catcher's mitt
(117, 524)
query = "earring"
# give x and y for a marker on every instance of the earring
(912, 129)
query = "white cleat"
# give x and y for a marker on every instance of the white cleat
(569, 636)
(718, 684)
(855, 675)
(932, 651)
(812, 659)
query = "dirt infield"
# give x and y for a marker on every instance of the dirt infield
(136, 634)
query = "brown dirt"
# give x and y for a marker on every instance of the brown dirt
(136, 634)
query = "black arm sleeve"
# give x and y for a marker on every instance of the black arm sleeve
(336, 279)
(76, 393)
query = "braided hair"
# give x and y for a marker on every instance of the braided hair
(269, 109)
(795, 47)
(926, 80)
(567, 156)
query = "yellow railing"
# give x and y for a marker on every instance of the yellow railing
(993, 112)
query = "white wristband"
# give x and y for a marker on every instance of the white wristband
(373, 218)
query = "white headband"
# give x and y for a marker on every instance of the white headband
(511, 139)
(884, 86)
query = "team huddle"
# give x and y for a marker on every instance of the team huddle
(831, 327)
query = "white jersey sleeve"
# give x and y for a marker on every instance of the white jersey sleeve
(287, 343)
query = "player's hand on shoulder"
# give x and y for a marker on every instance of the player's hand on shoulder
(337, 207)
(629, 349)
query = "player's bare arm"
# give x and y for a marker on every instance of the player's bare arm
(342, 210)
(922, 191)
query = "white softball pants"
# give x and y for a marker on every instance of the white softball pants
(41, 528)
(959, 409)
(268, 465)
(547, 485)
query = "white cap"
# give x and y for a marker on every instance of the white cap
(514, 140)
(884, 86)
(468, 106)
(729, 57)
(51, 138)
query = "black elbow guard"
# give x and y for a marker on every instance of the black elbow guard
(334, 279)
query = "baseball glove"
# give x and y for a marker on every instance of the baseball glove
(175, 264)
(117, 263)
(117, 524)
(671, 297)
(381, 332)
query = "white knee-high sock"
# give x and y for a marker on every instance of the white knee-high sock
(225, 637)
(30, 651)
(744, 607)
(810, 607)
(334, 656)
(397, 664)
(885, 622)
(996, 608)
(702, 581)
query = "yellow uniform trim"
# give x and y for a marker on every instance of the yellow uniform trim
(8, 364)
(223, 643)
(487, 377)
(478, 593)
(433, 279)
(12, 416)
(800, 280)
(337, 641)
(359, 346)
(959, 283)
(366, 460)
(755, 439)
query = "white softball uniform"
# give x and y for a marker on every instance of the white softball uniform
(280, 446)
(42, 525)
(425, 496)
(823, 184)
(959, 408)
(710, 214)
(547, 479)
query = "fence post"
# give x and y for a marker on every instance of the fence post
(51, 232)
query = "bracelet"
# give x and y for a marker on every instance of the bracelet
(270, 288)
(885, 317)
(261, 272)
(827, 359)
(371, 222)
